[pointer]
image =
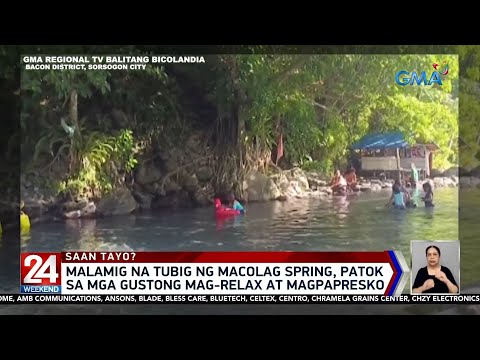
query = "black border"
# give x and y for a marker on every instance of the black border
(330, 40)
(10, 140)
(400, 25)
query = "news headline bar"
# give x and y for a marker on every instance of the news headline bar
(23, 299)
(211, 273)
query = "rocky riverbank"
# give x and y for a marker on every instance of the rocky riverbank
(152, 190)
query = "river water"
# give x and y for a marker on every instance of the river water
(355, 223)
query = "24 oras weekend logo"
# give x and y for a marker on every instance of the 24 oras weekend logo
(404, 77)
(40, 273)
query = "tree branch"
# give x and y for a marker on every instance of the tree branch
(285, 74)
(320, 105)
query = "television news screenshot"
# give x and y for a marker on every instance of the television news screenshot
(257, 180)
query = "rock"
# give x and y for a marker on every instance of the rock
(119, 202)
(147, 173)
(474, 181)
(271, 191)
(365, 187)
(314, 181)
(204, 173)
(143, 200)
(74, 214)
(89, 210)
(203, 197)
(281, 181)
(161, 202)
(190, 183)
(444, 182)
(36, 208)
(475, 172)
(74, 205)
(435, 173)
(453, 171)
(326, 190)
(171, 164)
(464, 181)
(438, 181)
(194, 142)
(299, 176)
(176, 200)
(462, 172)
(171, 186)
(260, 187)
(376, 187)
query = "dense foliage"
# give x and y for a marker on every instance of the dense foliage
(85, 131)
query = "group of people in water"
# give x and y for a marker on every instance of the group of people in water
(341, 184)
(401, 198)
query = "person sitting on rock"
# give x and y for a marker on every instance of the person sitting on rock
(351, 178)
(338, 184)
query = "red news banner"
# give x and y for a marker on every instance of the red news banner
(218, 277)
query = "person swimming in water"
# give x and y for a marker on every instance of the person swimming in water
(235, 204)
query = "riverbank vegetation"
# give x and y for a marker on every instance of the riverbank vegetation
(206, 126)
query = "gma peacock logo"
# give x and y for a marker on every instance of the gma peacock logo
(404, 77)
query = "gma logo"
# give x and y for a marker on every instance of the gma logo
(404, 78)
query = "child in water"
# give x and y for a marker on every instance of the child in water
(397, 197)
(428, 197)
(235, 204)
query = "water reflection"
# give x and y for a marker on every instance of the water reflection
(359, 222)
(343, 224)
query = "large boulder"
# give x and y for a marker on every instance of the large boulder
(118, 202)
(261, 187)
(147, 173)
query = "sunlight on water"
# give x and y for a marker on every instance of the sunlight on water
(356, 223)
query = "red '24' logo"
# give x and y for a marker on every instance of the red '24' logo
(40, 268)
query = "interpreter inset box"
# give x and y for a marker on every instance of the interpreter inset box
(435, 267)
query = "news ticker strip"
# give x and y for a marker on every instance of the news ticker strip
(211, 273)
(239, 299)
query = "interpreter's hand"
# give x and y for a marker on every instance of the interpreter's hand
(440, 275)
(428, 284)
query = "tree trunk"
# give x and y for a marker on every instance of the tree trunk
(398, 166)
(76, 138)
